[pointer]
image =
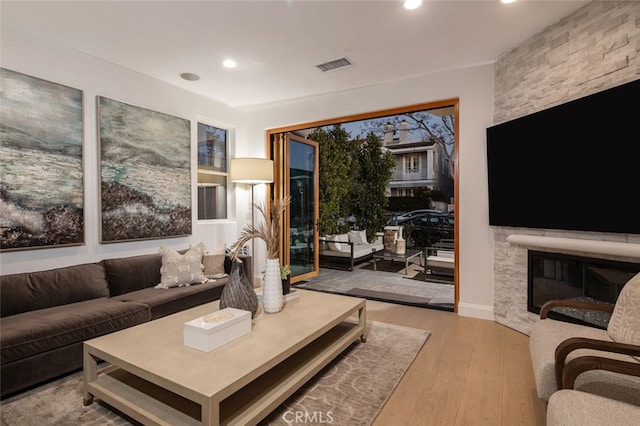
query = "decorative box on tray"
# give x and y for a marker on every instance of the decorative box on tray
(218, 328)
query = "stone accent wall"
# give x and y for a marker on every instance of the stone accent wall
(595, 48)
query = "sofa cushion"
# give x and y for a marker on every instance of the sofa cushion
(213, 265)
(624, 326)
(181, 269)
(31, 291)
(132, 273)
(171, 300)
(358, 237)
(35, 332)
(339, 242)
(569, 407)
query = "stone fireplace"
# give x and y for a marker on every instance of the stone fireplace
(511, 267)
(591, 50)
(586, 279)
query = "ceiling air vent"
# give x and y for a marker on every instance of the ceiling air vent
(334, 65)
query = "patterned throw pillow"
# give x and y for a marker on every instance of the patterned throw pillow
(181, 270)
(624, 326)
(214, 265)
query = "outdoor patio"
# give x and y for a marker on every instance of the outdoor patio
(389, 283)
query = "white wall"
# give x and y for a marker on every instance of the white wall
(474, 88)
(49, 61)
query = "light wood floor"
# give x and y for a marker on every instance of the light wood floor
(469, 372)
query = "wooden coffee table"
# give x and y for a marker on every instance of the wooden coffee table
(154, 378)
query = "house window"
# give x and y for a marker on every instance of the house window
(411, 163)
(212, 172)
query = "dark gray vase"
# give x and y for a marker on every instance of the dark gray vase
(238, 292)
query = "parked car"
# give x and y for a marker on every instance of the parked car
(426, 229)
(405, 216)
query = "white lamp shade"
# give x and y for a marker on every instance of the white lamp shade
(251, 170)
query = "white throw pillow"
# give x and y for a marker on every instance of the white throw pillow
(181, 270)
(332, 245)
(624, 326)
(358, 237)
(344, 246)
(337, 246)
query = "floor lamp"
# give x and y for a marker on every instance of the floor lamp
(252, 171)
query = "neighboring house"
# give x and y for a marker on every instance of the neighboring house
(419, 163)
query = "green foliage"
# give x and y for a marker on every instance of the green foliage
(374, 168)
(407, 204)
(437, 195)
(336, 157)
(422, 199)
(353, 180)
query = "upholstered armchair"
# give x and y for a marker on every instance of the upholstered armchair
(600, 362)
(569, 407)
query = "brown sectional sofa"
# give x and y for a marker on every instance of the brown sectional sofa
(46, 316)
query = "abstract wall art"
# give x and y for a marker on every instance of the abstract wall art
(145, 173)
(41, 148)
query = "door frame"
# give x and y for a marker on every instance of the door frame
(453, 102)
(278, 151)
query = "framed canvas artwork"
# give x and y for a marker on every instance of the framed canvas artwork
(145, 173)
(41, 147)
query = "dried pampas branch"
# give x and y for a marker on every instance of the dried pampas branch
(269, 229)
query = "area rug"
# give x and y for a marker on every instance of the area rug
(350, 391)
(387, 266)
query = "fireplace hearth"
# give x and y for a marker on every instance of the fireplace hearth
(560, 276)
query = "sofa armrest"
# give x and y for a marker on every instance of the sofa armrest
(569, 303)
(566, 374)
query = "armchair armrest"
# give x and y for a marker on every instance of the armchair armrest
(567, 374)
(569, 303)
(585, 363)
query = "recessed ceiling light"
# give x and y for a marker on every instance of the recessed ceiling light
(190, 76)
(507, 1)
(229, 63)
(412, 4)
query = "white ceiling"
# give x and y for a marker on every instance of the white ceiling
(279, 43)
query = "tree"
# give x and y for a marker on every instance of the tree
(335, 174)
(374, 168)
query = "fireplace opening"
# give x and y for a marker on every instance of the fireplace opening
(559, 276)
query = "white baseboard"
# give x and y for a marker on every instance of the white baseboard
(476, 311)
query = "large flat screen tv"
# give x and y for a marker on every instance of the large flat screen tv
(575, 166)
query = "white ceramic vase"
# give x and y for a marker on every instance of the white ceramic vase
(272, 287)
